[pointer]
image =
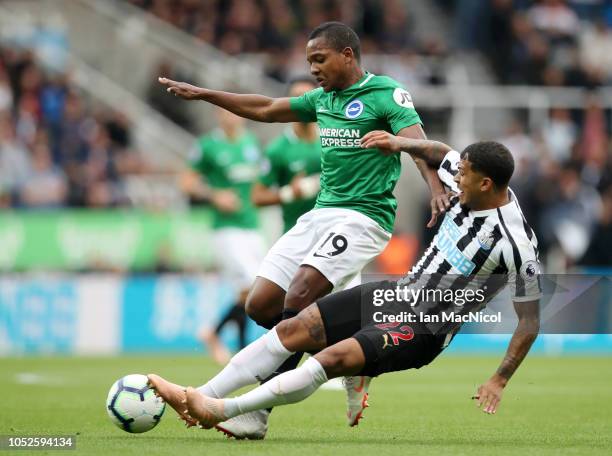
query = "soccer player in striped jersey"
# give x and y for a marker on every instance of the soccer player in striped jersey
(483, 244)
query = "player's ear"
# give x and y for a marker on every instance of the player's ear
(486, 184)
(347, 52)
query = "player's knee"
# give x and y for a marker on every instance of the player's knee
(292, 333)
(336, 362)
(306, 287)
(259, 308)
(297, 297)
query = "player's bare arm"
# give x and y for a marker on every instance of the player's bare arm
(300, 187)
(439, 198)
(224, 200)
(249, 106)
(262, 195)
(489, 394)
(432, 152)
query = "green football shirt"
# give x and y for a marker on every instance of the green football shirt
(354, 178)
(230, 165)
(287, 156)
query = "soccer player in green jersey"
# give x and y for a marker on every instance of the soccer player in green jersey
(355, 209)
(292, 164)
(229, 160)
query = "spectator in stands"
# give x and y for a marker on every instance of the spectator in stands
(276, 27)
(46, 185)
(559, 135)
(14, 158)
(596, 49)
(555, 19)
(600, 246)
(6, 94)
(43, 114)
(570, 220)
(522, 146)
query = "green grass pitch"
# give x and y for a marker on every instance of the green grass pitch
(552, 406)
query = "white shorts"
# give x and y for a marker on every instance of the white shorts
(238, 253)
(337, 242)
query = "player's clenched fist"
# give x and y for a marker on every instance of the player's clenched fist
(383, 141)
(181, 89)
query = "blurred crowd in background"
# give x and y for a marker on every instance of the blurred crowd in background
(278, 29)
(58, 150)
(545, 42)
(564, 169)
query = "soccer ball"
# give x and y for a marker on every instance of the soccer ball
(132, 405)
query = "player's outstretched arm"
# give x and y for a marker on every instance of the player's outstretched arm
(249, 106)
(192, 184)
(432, 152)
(489, 394)
(426, 154)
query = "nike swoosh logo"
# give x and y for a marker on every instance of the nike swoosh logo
(322, 110)
(319, 256)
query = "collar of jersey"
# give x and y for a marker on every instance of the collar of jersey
(485, 212)
(366, 74)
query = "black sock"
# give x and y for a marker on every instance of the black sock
(235, 313)
(240, 318)
(271, 323)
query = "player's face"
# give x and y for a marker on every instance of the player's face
(327, 65)
(471, 183)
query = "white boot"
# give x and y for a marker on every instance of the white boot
(356, 397)
(251, 425)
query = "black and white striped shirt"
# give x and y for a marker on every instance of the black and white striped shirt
(479, 249)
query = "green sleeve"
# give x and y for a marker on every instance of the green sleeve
(270, 167)
(399, 109)
(197, 157)
(305, 105)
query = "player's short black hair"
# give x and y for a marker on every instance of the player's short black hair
(301, 79)
(491, 159)
(338, 36)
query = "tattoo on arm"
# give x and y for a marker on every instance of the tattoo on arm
(312, 320)
(522, 339)
(508, 366)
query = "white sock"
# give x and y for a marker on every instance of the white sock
(252, 364)
(287, 388)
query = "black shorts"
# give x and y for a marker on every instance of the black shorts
(387, 347)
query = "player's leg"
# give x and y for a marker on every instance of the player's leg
(332, 320)
(346, 242)
(265, 301)
(307, 286)
(343, 358)
(355, 386)
(372, 350)
(350, 241)
(234, 314)
(256, 361)
(239, 254)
